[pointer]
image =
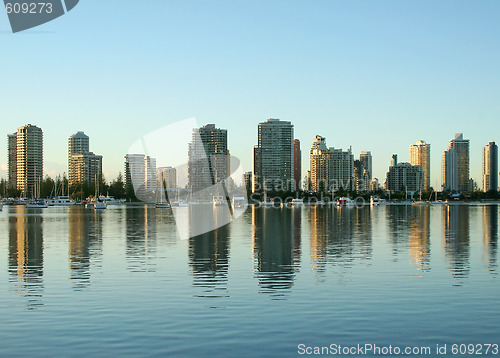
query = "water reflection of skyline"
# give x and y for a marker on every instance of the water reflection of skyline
(409, 230)
(84, 244)
(340, 239)
(339, 236)
(490, 236)
(420, 237)
(456, 240)
(276, 247)
(141, 244)
(26, 255)
(209, 261)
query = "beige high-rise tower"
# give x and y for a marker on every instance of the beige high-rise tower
(420, 154)
(83, 165)
(29, 159)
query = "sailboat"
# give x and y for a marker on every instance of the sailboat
(35, 203)
(179, 202)
(97, 203)
(161, 204)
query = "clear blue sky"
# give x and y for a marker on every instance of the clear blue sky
(374, 75)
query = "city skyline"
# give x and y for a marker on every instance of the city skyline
(377, 76)
(455, 159)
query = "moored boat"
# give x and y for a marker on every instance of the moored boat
(36, 204)
(345, 202)
(61, 201)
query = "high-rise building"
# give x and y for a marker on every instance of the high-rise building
(394, 160)
(83, 165)
(12, 152)
(29, 158)
(167, 177)
(273, 164)
(450, 170)
(404, 177)
(490, 167)
(319, 164)
(362, 174)
(150, 173)
(420, 154)
(141, 173)
(247, 181)
(366, 159)
(297, 164)
(374, 184)
(78, 143)
(208, 158)
(331, 169)
(134, 170)
(461, 147)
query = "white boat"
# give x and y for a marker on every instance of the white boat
(61, 201)
(375, 201)
(267, 203)
(89, 205)
(239, 202)
(297, 202)
(218, 201)
(179, 204)
(345, 202)
(109, 200)
(36, 204)
(100, 205)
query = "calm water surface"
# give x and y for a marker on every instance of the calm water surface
(75, 282)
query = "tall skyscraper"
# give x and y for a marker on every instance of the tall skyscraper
(208, 158)
(366, 159)
(490, 167)
(12, 152)
(273, 163)
(297, 163)
(319, 164)
(450, 170)
(461, 147)
(83, 165)
(29, 158)
(167, 176)
(420, 154)
(394, 160)
(141, 173)
(78, 143)
(134, 170)
(331, 169)
(247, 181)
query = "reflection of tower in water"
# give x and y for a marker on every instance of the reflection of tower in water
(339, 236)
(209, 260)
(490, 236)
(399, 225)
(456, 238)
(420, 249)
(26, 255)
(276, 247)
(85, 242)
(141, 238)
